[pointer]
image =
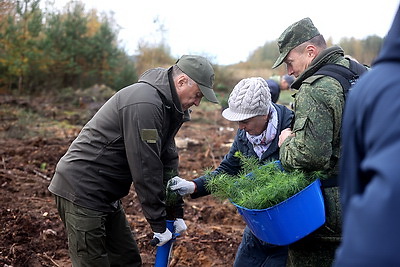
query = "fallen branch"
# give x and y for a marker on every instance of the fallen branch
(12, 250)
(142, 236)
(42, 175)
(51, 259)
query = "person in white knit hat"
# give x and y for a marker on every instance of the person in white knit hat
(260, 122)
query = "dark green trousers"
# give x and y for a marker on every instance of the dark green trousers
(98, 238)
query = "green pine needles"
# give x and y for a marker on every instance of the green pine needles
(171, 197)
(258, 187)
(171, 201)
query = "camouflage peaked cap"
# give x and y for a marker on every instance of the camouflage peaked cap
(296, 34)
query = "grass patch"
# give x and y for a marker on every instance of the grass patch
(20, 122)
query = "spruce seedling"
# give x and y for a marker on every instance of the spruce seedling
(258, 187)
(171, 197)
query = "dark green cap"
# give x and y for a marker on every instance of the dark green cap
(296, 34)
(199, 69)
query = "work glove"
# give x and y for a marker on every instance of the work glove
(182, 186)
(163, 238)
(179, 225)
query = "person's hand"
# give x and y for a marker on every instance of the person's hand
(182, 186)
(179, 225)
(285, 134)
(163, 237)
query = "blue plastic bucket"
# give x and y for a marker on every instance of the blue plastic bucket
(290, 220)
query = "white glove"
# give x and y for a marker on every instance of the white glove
(182, 186)
(163, 238)
(179, 225)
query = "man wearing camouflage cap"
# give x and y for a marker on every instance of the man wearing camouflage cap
(313, 142)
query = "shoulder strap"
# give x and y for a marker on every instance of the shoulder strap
(357, 68)
(341, 73)
(345, 76)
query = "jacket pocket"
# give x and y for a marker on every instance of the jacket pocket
(82, 228)
(300, 124)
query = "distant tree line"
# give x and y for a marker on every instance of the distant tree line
(49, 50)
(54, 50)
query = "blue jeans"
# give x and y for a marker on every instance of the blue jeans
(254, 252)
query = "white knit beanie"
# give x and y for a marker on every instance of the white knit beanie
(250, 97)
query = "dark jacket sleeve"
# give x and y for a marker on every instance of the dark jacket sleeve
(142, 124)
(170, 161)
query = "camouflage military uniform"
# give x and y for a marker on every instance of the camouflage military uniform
(316, 145)
(318, 114)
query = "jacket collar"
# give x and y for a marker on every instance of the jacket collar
(161, 79)
(330, 54)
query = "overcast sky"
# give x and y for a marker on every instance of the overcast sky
(227, 31)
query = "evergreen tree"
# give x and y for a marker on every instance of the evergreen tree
(20, 33)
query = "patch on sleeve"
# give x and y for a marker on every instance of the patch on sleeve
(149, 135)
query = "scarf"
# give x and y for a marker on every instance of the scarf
(262, 141)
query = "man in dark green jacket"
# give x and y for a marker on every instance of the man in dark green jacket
(313, 143)
(129, 140)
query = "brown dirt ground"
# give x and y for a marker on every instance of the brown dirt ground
(33, 235)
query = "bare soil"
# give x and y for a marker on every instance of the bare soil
(32, 233)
